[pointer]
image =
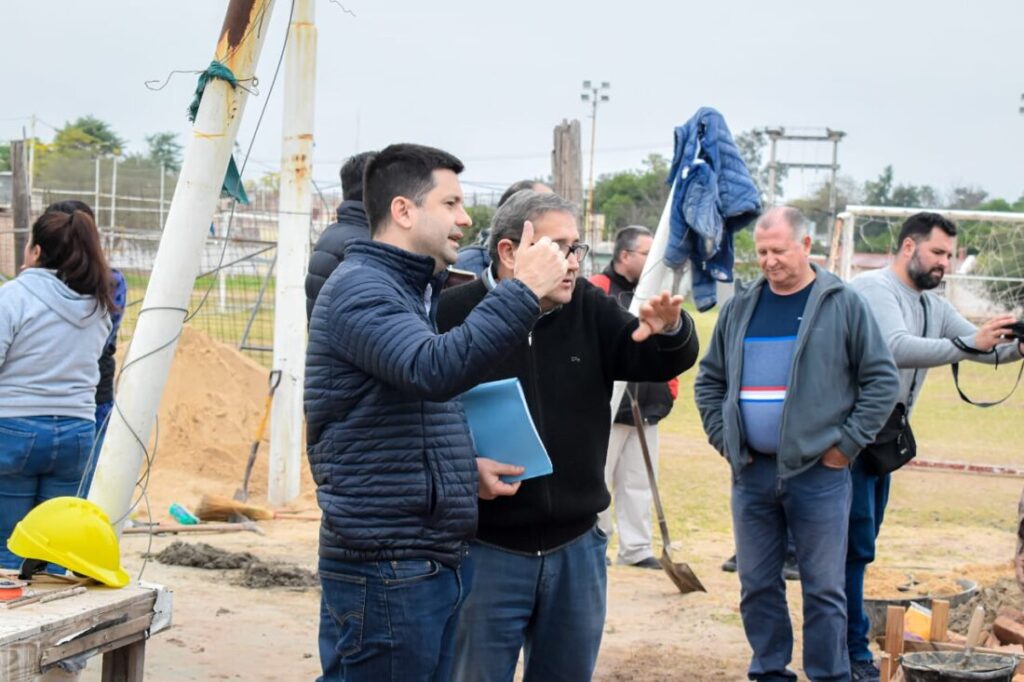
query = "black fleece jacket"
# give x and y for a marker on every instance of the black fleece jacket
(567, 367)
(654, 398)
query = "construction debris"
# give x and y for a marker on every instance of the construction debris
(258, 574)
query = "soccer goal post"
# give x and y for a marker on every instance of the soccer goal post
(987, 273)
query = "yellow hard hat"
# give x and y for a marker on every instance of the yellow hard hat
(73, 533)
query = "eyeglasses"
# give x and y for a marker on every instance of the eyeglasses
(639, 253)
(579, 249)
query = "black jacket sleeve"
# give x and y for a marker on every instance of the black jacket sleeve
(659, 358)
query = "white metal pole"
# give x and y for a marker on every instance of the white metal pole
(163, 177)
(113, 194)
(148, 360)
(222, 290)
(652, 281)
(96, 200)
(294, 218)
(849, 234)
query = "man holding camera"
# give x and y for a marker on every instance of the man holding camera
(922, 330)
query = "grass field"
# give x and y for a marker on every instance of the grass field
(695, 479)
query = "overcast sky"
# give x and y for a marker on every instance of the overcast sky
(930, 87)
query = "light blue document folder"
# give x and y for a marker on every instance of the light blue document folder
(502, 429)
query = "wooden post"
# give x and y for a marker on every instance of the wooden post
(125, 664)
(885, 662)
(566, 162)
(940, 620)
(21, 198)
(894, 636)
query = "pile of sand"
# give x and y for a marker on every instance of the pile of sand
(211, 406)
(884, 583)
(888, 584)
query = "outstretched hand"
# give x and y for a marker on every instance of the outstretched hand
(657, 314)
(994, 332)
(491, 485)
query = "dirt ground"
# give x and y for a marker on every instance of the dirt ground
(224, 630)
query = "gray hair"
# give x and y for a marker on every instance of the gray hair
(789, 215)
(520, 207)
(626, 238)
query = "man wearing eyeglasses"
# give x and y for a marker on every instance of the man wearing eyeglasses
(625, 473)
(538, 560)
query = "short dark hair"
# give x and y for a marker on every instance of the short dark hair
(352, 176)
(625, 239)
(517, 187)
(522, 206)
(401, 170)
(920, 225)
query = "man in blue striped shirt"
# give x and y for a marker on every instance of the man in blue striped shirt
(796, 381)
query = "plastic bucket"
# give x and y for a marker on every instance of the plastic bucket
(951, 666)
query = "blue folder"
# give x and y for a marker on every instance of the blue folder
(503, 430)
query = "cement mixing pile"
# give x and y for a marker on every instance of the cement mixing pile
(207, 421)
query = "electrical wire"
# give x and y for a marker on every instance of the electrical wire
(150, 456)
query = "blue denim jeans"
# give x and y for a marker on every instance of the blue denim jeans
(551, 605)
(815, 506)
(40, 458)
(870, 495)
(386, 621)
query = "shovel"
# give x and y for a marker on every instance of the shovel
(242, 494)
(680, 573)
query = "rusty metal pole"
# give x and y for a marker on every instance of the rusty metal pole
(148, 360)
(295, 208)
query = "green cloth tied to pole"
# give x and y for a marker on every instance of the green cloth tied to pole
(232, 186)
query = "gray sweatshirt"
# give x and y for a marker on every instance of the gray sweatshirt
(50, 341)
(842, 381)
(900, 315)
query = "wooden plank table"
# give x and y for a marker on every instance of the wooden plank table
(113, 622)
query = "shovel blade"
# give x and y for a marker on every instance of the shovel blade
(681, 574)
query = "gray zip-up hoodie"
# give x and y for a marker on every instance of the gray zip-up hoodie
(842, 385)
(50, 341)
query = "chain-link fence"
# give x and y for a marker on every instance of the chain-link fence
(233, 296)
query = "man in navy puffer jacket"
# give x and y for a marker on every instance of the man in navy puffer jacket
(396, 473)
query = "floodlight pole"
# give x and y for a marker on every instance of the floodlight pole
(286, 414)
(168, 296)
(594, 94)
(773, 134)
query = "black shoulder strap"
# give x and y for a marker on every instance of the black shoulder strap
(955, 367)
(924, 334)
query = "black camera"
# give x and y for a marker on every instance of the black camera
(1016, 330)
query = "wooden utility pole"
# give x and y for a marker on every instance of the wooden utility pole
(567, 162)
(21, 198)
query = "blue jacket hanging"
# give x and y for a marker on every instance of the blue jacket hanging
(714, 197)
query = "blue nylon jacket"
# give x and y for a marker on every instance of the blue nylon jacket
(387, 442)
(714, 198)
